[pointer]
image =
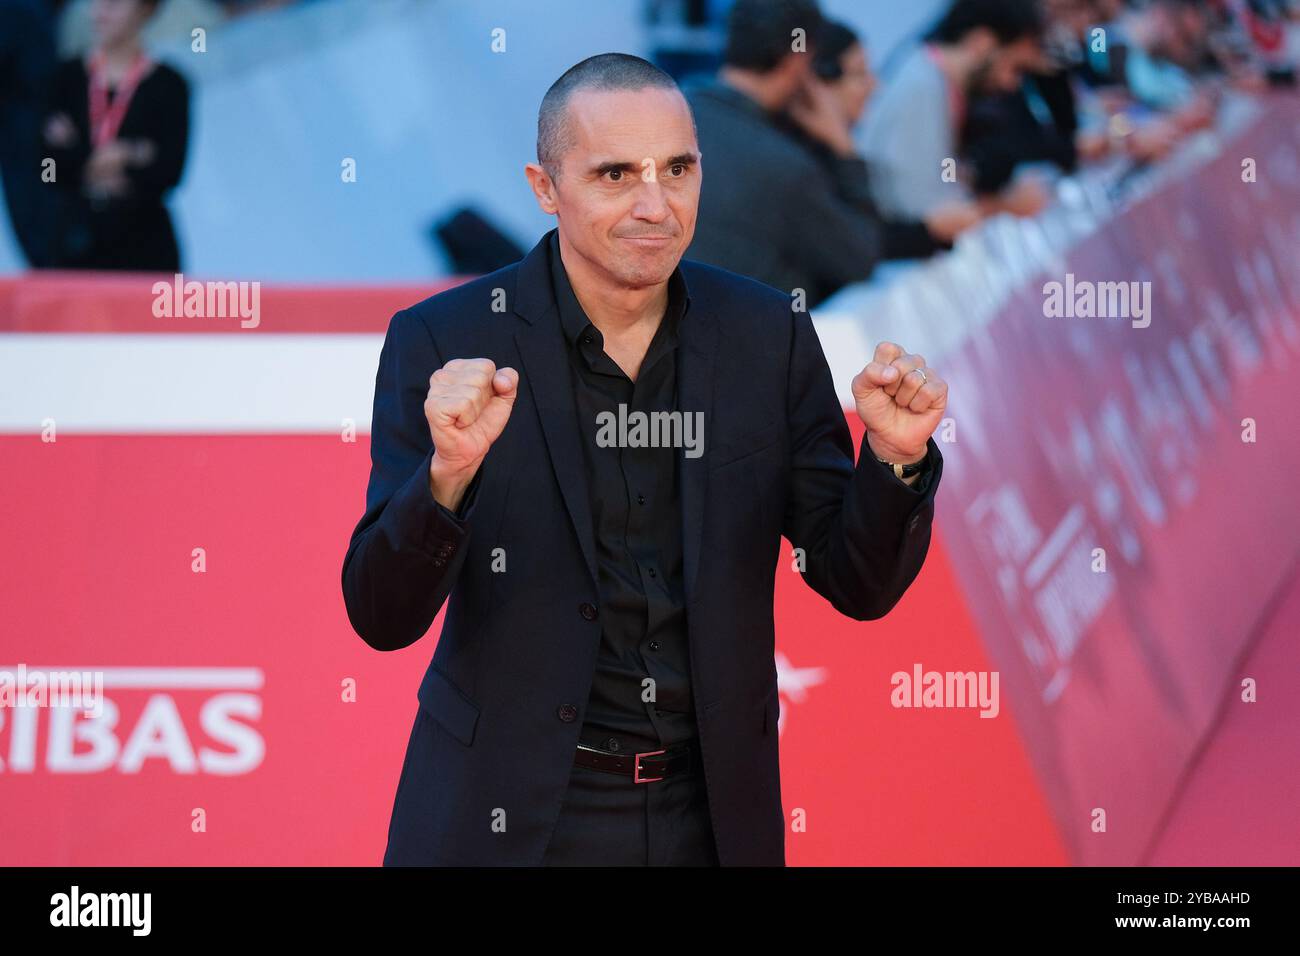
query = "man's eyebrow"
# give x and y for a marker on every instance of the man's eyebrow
(613, 164)
(626, 166)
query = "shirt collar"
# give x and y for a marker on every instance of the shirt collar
(572, 317)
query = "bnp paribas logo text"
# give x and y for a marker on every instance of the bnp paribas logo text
(636, 429)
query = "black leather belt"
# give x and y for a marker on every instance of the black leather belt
(645, 767)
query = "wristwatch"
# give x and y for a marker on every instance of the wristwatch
(908, 470)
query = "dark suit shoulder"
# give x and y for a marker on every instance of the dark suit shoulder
(732, 129)
(738, 300)
(469, 305)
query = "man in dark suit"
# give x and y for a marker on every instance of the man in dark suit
(592, 456)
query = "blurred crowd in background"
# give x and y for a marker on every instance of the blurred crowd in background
(824, 156)
(898, 169)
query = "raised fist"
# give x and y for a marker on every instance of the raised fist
(901, 402)
(467, 408)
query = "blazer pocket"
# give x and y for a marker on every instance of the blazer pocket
(734, 449)
(444, 702)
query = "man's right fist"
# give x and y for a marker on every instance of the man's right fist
(467, 408)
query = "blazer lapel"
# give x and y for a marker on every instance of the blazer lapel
(546, 373)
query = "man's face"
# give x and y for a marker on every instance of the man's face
(1005, 66)
(115, 20)
(856, 82)
(629, 185)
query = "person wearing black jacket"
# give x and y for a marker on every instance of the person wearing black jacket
(27, 63)
(117, 130)
(604, 690)
(840, 64)
(1038, 122)
(792, 210)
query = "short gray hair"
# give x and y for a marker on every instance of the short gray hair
(605, 71)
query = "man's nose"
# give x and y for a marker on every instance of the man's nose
(651, 200)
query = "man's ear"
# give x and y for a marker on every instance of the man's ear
(543, 188)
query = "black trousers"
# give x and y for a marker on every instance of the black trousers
(607, 820)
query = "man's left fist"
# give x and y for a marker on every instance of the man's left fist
(900, 401)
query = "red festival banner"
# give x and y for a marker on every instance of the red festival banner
(1093, 502)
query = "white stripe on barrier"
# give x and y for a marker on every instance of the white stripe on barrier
(170, 678)
(193, 383)
(128, 383)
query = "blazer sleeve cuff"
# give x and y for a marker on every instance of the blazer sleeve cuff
(435, 530)
(915, 500)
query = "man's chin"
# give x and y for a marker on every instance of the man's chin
(651, 267)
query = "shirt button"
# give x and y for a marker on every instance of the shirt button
(567, 713)
(588, 611)
(653, 572)
(654, 645)
(612, 745)
(640, 499)
(587, 339)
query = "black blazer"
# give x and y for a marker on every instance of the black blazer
(502, 701)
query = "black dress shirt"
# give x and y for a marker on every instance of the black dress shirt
(637, 521)
(636, 514)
